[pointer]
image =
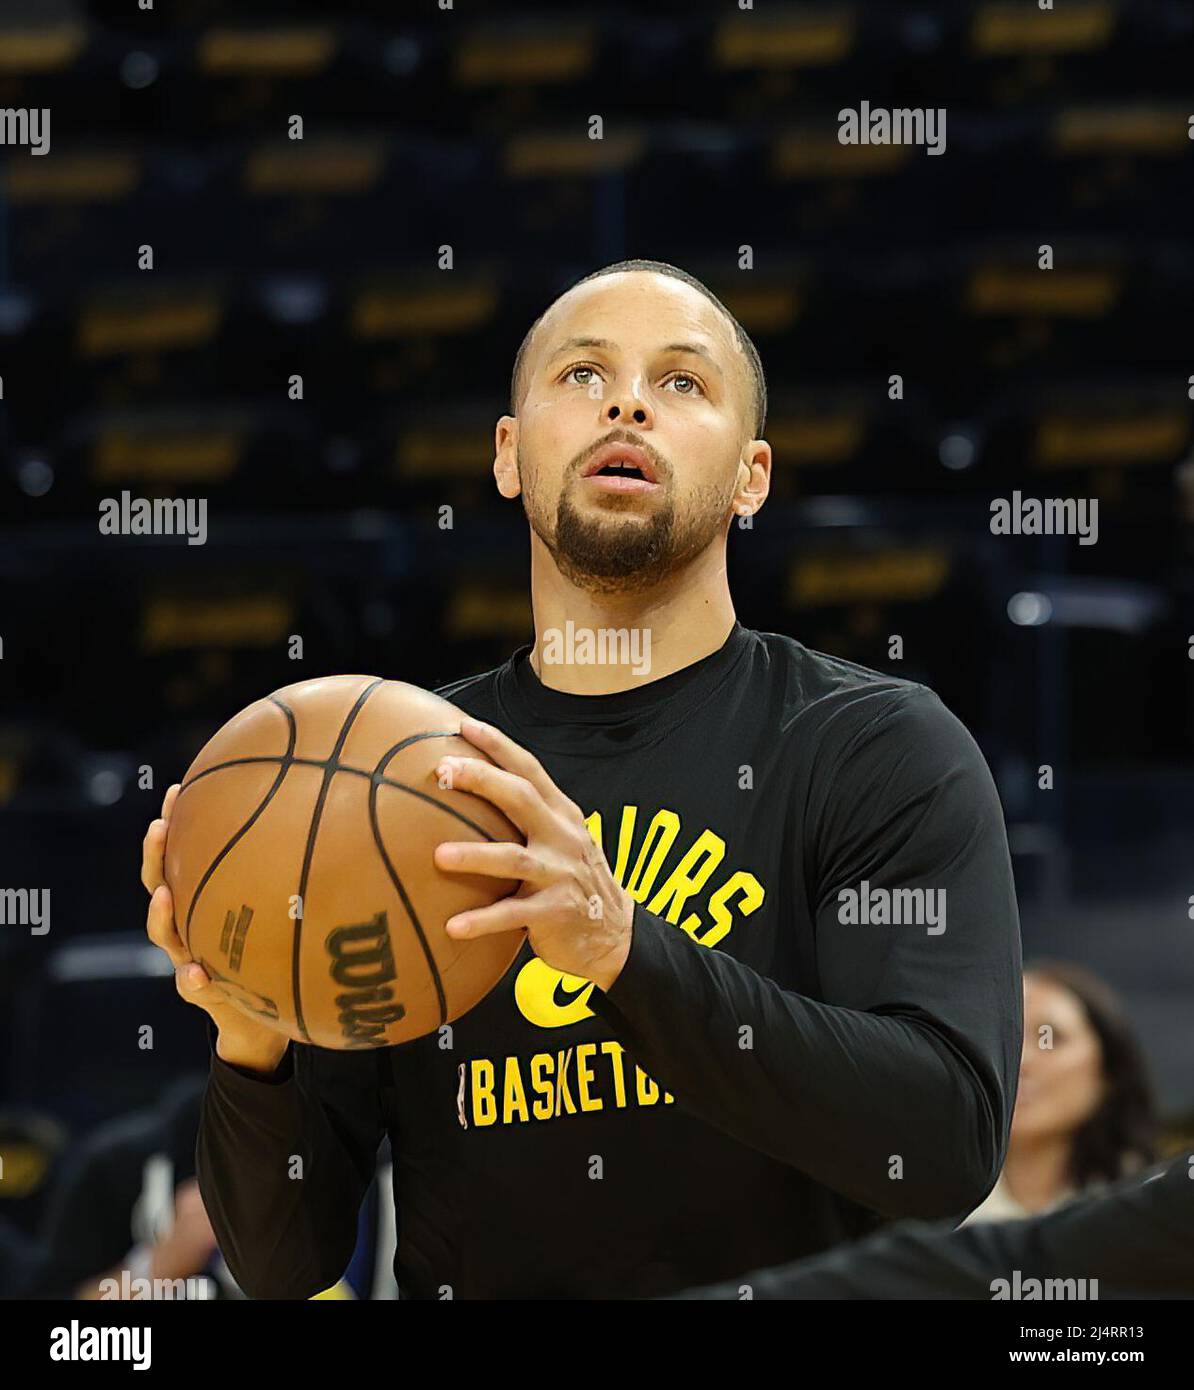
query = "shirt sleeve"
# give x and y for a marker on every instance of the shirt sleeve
(895, 1087)
(284, 1162)
(1134, 1238)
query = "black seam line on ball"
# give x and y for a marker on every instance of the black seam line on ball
(400, 889)
(322, 762)
(353, 771)
(285, 764)
(328, 773)
(378, 780)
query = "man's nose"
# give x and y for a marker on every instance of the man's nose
(621, 403)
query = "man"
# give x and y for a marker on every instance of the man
(724, 1043)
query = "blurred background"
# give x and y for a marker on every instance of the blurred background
(444, 191)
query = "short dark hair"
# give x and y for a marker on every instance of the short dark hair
(759, 381)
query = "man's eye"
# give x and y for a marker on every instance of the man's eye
(573, 370)
(681, 376)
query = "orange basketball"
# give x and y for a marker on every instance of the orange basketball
(300, 858)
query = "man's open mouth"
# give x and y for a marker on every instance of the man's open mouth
(618, 470)
(621, 468)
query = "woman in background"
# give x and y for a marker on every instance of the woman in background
(1084, 1114)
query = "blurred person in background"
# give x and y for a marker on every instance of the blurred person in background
(1085, 1114)
(128, 1200)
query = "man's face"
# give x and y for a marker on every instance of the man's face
(659, 368)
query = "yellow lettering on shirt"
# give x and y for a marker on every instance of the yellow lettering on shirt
(549, 998)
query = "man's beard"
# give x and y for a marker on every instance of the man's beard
(603, 555)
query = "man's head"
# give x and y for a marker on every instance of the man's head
(640, 355)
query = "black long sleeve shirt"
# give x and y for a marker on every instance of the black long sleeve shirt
(1133, 1239)
(818, 1025)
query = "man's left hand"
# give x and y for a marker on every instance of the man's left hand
(577, 916)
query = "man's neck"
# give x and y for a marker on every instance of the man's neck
(598, 644)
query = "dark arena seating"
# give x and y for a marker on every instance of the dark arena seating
(314, 336)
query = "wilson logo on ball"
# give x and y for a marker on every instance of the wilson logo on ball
(325, 794)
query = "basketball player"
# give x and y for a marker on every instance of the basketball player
(770, 987)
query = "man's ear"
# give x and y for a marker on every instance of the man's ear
(505, 462)
(754, 477)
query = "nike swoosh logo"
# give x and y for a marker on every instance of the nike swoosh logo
(562, 997)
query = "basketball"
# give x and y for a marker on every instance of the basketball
(300, 860)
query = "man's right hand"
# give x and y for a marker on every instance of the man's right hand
(242, 1041)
